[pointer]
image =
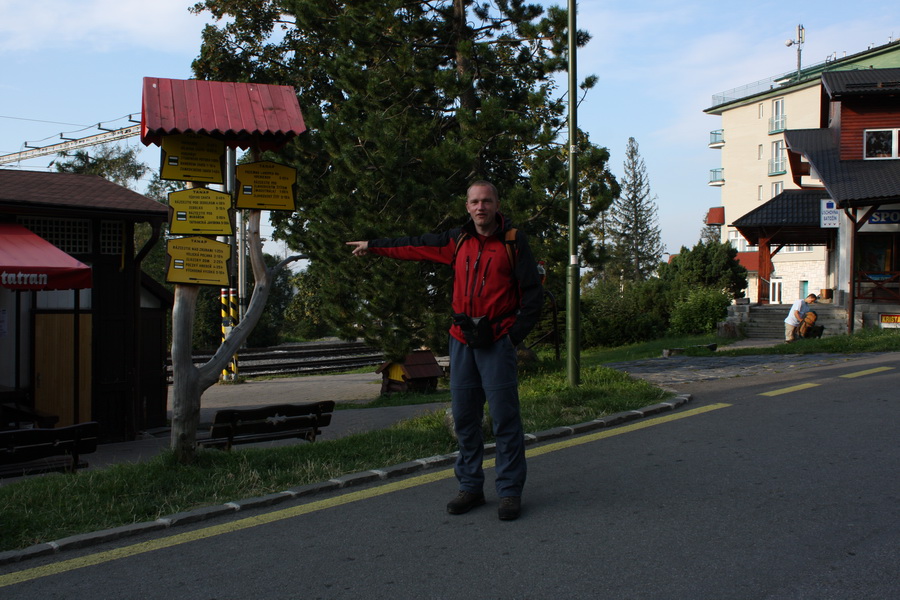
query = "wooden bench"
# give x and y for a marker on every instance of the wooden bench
(276, 422)
(31, 451)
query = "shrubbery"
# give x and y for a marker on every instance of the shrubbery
(618, 313)
(699, 312)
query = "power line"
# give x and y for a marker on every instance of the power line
(42, 121)
(71, 143)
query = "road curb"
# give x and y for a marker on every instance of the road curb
(344, 481)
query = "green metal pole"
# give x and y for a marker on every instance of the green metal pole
(573, 275)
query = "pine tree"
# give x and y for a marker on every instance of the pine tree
(633, 232)
(406, 103)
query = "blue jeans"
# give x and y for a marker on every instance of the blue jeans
(476, 376)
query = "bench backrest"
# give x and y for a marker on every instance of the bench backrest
(277, 418)
(23, 445)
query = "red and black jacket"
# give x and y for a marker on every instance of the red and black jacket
(485, 284)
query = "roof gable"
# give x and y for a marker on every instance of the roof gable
(28, 190)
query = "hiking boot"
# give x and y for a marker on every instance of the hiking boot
(464, 502)
(510, 508)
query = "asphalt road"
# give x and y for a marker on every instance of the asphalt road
(776, 485)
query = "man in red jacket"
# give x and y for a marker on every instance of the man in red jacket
(497, 297)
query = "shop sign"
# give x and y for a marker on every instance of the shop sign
(890, 321)
(885, 217)
(830, 215)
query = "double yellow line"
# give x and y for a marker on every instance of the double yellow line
(311, 507)
(806, 386)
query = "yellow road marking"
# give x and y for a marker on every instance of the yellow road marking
(295, 511)
(788, 390)
(867, 372)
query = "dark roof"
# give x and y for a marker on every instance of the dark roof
(240, 114)
(791, 217)
(862, 82)
(849, 182)
(27, 191)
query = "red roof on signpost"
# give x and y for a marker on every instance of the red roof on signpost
(240, 114)
(29, 262)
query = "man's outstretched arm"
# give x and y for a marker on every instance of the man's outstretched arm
(360, 248)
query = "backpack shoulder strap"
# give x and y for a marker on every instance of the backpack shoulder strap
(457, 243)
(511, 247)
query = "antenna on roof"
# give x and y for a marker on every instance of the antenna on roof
(801, 37)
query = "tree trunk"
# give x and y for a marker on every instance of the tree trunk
(185, 376)
(189, 382)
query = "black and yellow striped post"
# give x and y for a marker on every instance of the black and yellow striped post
(227, 372)
(233, 314)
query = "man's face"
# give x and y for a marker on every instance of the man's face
(482, 205)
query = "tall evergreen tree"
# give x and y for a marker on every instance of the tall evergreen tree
(633, 232)
(407, 102)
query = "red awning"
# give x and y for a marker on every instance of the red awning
(240, 114)
(29, 262)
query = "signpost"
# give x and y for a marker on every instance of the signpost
(193, 157)
(200, 211)
(265, 185)
(198, 260)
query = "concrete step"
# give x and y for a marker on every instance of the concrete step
(767, 321)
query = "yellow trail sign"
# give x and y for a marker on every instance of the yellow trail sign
(200, 211)
(265, 185)
(198, 260)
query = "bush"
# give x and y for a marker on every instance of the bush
(615, 313)
(700, 312)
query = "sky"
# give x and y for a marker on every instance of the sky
(67, 65)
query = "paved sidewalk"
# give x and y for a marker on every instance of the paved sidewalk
(343, 389)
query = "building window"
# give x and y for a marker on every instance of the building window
(739, 243)
(762, 110)
(759, 152)
(72, 236)
(759, 195)
(881, 143)
(777, 188)
(778, 122)
(111, 237)
(778, 162)
(797, 248)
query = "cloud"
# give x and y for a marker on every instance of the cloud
(98, 25)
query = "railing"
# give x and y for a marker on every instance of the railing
(878, 286)
(777, 166)
(717, 176)
(777, 124)
(717, 138)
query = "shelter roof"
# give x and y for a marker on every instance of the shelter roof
(30, 191)
(849, 182)
(240, 114)
(791, 217)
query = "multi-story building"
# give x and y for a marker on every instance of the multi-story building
(756, 177)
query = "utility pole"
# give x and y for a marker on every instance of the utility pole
(573, 316)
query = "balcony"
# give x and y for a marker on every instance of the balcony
(717, 138)
(717, 177)
(777, 166)
(777, 124)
